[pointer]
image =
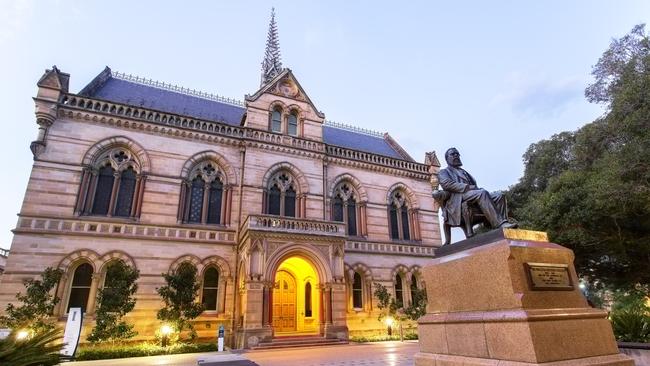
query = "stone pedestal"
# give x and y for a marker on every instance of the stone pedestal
(509, 297)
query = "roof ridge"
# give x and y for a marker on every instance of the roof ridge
(175, 88)
(352, 128)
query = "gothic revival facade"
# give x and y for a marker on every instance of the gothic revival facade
(288, 219)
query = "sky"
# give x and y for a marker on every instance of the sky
(488, 78)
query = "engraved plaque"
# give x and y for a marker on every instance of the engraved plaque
(549, 277)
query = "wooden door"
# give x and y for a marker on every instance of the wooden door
(284, 302)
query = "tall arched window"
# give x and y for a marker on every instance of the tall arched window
(202, 195)
(344, 207)
(414, 288)
(113, 186)
(399, 291)
(281, 195)
(292, 124)
(308, 312)
(80, 289)
(398, 215)
(210, 288)
(357, 291)
(276, 120)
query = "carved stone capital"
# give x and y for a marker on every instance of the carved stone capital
(37, 148)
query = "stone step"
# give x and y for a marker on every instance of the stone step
(298, 341)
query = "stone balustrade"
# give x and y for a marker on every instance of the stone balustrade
(294, 225)
(88, 226)
(389, 248)
(78, 102)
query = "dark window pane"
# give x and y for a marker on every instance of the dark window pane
(352, 218)
(357, 292)
(214, 202)
(276, 122)
(210, 299)
(274, 200)
(211, 278)
(293, 125)
(414, 288)
(405, 224)
(337, 209)
(80, 289)
(290, 202)
(308, 300)
(394, 229)
(196, 200)
(125, 194)
(399, 293)
(103, 192)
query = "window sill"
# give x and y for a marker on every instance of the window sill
(110, 218)
(203, 226)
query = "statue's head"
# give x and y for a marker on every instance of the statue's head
(453, 157)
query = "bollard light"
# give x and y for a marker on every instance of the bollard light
(22, 335)
(389, 322)
(165, 330)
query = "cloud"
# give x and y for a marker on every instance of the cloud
(14, 17)
(540, 97)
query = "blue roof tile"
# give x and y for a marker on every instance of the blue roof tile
(122, 91)
(358, 141)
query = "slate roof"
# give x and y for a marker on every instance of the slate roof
(107, 87)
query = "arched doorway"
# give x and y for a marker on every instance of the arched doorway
(296, 305)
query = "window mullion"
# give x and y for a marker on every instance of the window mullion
(112, 201)
(206, 197)
(399, 223)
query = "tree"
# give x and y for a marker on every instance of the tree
(389, 307)
(178, 296)
(114, 301)
(590, 189)
(37, 306)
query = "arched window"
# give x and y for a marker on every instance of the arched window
(202, 195)
(112, 186)
(281, 195)
(292, 125)
(344, 207)
(276, 120)
(414, 288)
(80, 289)
(399, 291)
(357, 291)
(398, 215)
(308, 300)
(210, 288)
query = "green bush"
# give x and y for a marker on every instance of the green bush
(382, 338)
(630, 316)
(96, 352)
(41, 349)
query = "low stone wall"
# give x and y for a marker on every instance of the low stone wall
(640, 352)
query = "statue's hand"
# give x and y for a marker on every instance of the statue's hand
(471, 187)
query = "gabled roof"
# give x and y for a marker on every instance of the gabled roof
(139, 92)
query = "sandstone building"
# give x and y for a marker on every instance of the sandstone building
(289, 219)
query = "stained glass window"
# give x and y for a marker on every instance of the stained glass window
(103, 191)
(394, 229)
(274, 200)
(196, 200)
(214, 202)
(125, 194)
(290, 202)
(405, 224)
(337, 209)
(352, 217)
(292, 128)
(210, 288)
(276, 121)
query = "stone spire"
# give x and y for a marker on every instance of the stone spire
(271, 65)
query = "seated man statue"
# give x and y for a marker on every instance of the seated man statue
(459, 189)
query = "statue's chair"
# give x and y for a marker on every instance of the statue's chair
(470, 215)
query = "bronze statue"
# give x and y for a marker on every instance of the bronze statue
(464, 203)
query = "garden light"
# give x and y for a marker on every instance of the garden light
(165, 330)
(22, 335)
(389, 323)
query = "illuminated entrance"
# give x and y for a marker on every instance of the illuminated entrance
(295, 297)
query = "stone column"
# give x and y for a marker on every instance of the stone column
(60, 293)
(206, 197)
(111, 203)
(92, 296)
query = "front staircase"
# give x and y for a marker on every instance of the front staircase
(299, 341)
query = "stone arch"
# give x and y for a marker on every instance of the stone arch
(115, 255)
(360, 268)
(303, 185)
(73, 258)
(346, 177)
(311, 253)
(192, 259)
(299, 112)
(399, 269)
(230, 173)
(100, 147)
(215, 260)
(410, 195)
(278, 103)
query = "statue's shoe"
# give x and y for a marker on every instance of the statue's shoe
(509, 225)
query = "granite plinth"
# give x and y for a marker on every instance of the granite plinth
(484, 310)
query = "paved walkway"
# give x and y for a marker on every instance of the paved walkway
(366, 354)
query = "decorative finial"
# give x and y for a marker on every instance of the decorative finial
(271, 65)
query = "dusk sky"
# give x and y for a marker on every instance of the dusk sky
(487, 77)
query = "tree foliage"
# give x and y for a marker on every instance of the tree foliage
(630, 315)
(590, 188)
(37, 306)
(114, 301)
(178, 296)
(389, 307)
(42, 349)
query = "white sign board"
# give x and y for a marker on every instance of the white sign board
(4, 333)
(72, 332)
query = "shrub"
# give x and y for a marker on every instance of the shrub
(382, 338)
(42, 349)
(139, 350)
(630, 316)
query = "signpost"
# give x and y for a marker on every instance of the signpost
(72, 332)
